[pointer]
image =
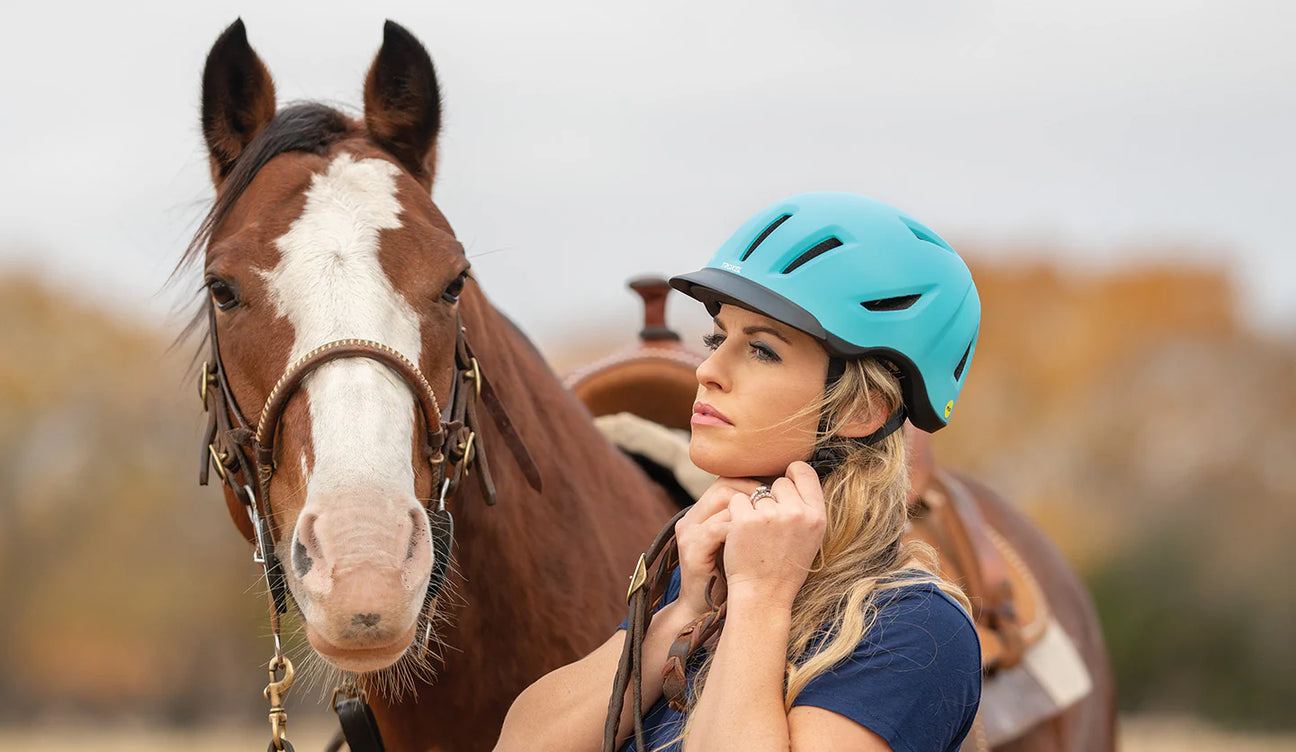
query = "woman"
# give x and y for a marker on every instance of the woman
(836, 317)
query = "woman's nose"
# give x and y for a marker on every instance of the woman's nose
(711, 373)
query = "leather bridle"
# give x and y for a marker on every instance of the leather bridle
(244, 454)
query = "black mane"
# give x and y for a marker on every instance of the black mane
(308, 127)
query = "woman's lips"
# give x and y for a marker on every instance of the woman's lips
(705, 415)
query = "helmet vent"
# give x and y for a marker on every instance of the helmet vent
(899, 303)
(764, 234)
(922, 233)
(818, 250)
(958, 370)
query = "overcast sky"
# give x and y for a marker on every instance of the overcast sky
(585, 143)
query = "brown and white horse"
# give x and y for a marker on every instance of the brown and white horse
(323, 230)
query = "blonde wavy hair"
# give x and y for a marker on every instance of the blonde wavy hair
(862, 553)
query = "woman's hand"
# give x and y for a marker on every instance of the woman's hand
(699, 534)
(771, 543)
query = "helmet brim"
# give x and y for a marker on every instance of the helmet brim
(714, 287)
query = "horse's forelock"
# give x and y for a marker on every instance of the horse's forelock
(309, 127)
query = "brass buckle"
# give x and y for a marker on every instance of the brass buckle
(203, 379)
(219, 459)
(347, 690)
(476, 377)
(467, 449)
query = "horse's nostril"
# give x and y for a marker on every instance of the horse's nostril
(366, 620)
(300, 559)
(306, 546)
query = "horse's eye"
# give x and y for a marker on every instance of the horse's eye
(454, 289)
(223, 294)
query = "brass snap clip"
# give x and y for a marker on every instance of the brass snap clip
(275, 692)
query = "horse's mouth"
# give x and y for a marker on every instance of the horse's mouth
(361, 659)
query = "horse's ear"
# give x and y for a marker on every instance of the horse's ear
(238, 99)
(403, 103)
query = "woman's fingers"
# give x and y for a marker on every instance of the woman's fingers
(772, 541)
(785, 491)
(806, 481)
(714, 500)
(740, 506)
(702, 540)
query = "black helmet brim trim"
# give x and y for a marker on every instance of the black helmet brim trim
(714, 287)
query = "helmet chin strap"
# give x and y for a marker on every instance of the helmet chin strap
(827, 457)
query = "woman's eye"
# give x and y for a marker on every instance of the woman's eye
(712, 341)
(222, 294)
(454, 289)
(763, 352)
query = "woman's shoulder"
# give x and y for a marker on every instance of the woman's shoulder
(915, 599)
(915, 627)
(914, 678)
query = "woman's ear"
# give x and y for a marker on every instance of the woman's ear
(864, 423)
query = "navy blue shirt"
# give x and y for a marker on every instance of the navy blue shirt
(914, 679)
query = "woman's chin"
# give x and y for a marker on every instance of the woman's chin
(731, 463)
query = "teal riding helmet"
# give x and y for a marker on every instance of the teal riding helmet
(863, 278)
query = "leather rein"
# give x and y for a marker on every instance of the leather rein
(244, 456)
(646, 590)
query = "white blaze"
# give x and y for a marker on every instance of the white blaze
(330, 285)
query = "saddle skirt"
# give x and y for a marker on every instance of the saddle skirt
(642, 399)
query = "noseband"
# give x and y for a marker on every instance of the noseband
(448, 442)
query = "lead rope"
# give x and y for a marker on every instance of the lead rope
(277, 690)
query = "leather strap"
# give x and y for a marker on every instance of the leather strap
(358, 723)
(690, 640)
(645, 589)
(347, 348)
(989, 583)
(490, 398)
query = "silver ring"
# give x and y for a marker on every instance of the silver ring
(762, 492)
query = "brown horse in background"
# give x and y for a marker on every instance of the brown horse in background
(324, 229)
